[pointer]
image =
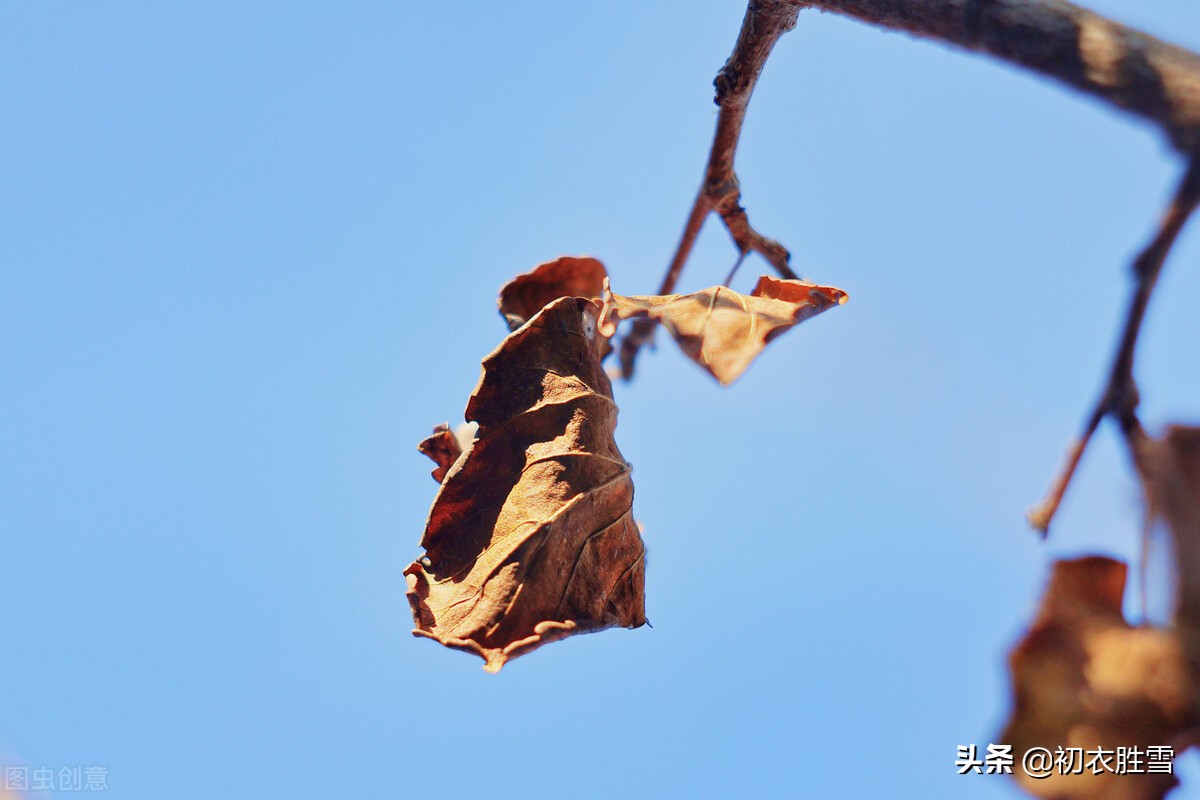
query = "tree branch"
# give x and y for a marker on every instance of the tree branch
(1120, 396)
(1125, 67)
(765, 22)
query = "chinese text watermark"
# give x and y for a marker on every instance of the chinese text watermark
(1042, 762)
(77, 778)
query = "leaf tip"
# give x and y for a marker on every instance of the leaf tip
(443, 447)
(567, 276)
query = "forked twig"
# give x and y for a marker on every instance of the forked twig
(765, 22)
(1095, 55)
(1120, 397)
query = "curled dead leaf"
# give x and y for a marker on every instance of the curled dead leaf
(720, 329)
(1084, 678)
(531, 537)
(567, 276)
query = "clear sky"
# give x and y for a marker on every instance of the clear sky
(249, 255)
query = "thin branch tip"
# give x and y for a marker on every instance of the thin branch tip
(1120, 397)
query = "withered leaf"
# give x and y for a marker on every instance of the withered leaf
(443, 448)
(567, 276)
(531, 537)
(720, 329)
(1084, 678)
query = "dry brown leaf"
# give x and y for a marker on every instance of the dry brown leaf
(1084, 678)
(443, 447)
(567, 276)
(531, 537)
(720, 329)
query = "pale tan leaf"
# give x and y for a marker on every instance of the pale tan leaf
(720, 329)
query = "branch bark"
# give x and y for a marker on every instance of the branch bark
(765, 22)
(1125, 67)
(1120, 396)
(1130, 70)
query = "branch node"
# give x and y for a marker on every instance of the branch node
(1120, 396)
(764, 23)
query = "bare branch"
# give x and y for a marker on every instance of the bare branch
(765, 22)
(1120, 396)
(1125, 67)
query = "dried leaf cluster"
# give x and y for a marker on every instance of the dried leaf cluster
(531, 536)
(1083, 677)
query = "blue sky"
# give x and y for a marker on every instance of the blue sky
(250, 253)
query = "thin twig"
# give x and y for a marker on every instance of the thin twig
(765, 22)
(1120, 397)
(736, 266)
